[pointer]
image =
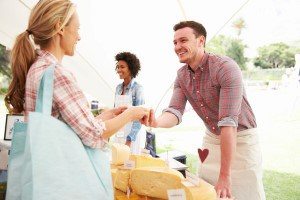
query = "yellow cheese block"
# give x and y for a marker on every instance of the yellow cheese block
(124, 197)
(155, 181)
(204, 191)
(147, 161)
(120, 153)
(122, 179)
(113, 174)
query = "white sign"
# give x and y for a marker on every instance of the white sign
(178, 194)
(129, 164)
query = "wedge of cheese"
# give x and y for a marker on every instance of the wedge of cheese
(121, 181)
(155, 181)
(204, 191)
(113, 174)
(147, 161)
(120, 153)
(123, 196)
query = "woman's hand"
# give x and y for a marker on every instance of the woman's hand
(138, 113)
(111, 113)
(118, 110)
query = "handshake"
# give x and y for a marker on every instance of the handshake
(144, 115)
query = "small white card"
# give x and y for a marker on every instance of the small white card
(195, 180)
(145, 152)
(129, 164)
(178, 194)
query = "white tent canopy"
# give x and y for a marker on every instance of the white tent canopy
(142, 27)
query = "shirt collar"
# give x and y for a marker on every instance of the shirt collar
(130, 83)
(202, 63)
(47, 55)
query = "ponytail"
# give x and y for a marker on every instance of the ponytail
(22, 57)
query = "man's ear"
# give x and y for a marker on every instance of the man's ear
(60, 30)
(201, 40)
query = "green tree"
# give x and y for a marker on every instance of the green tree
(239, 25)
(4, 62)
(231, 47)
(277, 55)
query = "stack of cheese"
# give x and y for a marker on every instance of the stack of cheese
(151, 178)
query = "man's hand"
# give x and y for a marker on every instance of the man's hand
(223, 187)
(152, 120)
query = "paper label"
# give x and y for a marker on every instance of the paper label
(129, 164)
(145, 151)
(195, 180)
(178, 194)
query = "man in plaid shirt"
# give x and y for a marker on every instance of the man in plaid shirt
(213, 85)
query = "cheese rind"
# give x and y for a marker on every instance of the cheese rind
(122, 179)
(120, 153)
(147, 161)
(204, 191)
(155, 181)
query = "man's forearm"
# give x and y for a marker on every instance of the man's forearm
(228, 148)
(167, 120)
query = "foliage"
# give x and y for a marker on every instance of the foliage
(239, 25)
(277, 55)
(4, 62)
(231, 47)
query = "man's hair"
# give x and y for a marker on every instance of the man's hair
(132, 61)
(197, 27)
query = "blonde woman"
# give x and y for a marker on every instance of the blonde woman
(53, 25)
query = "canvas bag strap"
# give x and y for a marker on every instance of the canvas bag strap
(45, 92)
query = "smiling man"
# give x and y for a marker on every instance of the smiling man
(213, 85)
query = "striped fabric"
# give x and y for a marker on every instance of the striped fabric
(216, 92)
(69, 102)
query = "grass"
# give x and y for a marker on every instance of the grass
(278, 185)
(281, 186)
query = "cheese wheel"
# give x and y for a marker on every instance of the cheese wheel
(147, 161)
(155, 181)
(113, 174)
(122, 179)
(120, 153)
(204, 191)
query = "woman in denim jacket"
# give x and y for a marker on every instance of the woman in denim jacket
(129, 93)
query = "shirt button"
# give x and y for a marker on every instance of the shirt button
(213, 128)
(201, 68)
(193, 77)
(198, 91)
(206, 117)
(201, 105)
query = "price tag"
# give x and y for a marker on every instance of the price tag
(129, 164)
(195, 180)
(145, 151)
(178, 194)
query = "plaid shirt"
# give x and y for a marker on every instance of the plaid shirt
(69, 103)
(216, 92)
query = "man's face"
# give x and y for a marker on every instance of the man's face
(186, 45)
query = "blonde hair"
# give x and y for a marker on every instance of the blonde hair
(42, 25)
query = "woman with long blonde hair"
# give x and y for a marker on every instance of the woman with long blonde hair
(52, 33)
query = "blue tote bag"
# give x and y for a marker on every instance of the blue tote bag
(48, 160)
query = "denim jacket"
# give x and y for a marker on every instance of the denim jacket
(136, 90)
